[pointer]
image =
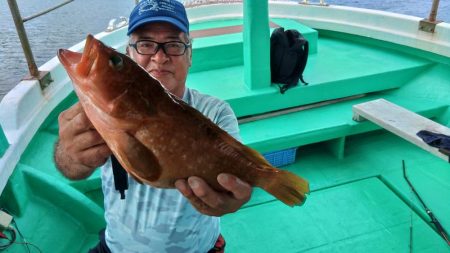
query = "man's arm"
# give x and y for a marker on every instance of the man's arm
(80, 148)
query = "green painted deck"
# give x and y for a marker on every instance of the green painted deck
(360, 216)
(338, 69)
(359, 200)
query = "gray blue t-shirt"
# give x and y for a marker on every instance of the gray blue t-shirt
(163, 220)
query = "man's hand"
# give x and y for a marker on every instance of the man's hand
(80, 148)
(213, 203)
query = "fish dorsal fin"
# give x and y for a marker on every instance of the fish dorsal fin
(222, 134)
(259, 159)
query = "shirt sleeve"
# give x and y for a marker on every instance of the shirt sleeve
(226, 119)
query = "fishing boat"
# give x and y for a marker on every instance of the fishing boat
(374, 79)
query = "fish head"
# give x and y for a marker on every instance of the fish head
(99, 72)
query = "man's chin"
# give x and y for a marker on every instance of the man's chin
(160, 75)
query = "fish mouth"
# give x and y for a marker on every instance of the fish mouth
(88, 46)
(70, 60)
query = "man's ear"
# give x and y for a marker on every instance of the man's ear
(127, 50)
(190, 56)
(190, 59)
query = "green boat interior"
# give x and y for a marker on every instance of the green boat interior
(359, 199)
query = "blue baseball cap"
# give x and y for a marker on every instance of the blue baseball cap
(148, 11)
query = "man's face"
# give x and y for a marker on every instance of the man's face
(171, 71)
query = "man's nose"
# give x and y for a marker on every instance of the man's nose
(160, 56)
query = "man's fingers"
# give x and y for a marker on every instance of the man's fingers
(186, 189)
(198, 186)
(204, 192)
(73, 121)
(211, 202)
(183, 186)
(240, 189)
(87, 140)
(70, 113)
(81, 123)
(95, 156)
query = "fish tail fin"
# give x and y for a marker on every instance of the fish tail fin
(287, 187)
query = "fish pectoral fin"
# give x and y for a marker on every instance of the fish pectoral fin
(136, 158)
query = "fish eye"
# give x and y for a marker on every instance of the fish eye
(116, 62)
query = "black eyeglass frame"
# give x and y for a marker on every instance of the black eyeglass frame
(160, 45)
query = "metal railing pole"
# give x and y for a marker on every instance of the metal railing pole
(433, 12)
(429, 24)
(25, 19)
(23, 38)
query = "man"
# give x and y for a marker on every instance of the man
(150, 219)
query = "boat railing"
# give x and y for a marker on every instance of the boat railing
(429, 24)
(43, 77)
(426, 24)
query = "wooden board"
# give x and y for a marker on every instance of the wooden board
(222, 30)
(400, 121)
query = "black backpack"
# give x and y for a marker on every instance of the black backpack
(288, 57)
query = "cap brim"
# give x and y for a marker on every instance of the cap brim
(170, 20)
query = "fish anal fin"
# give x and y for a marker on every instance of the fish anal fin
(137, 159)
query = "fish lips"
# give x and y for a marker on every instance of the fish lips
(70, 59)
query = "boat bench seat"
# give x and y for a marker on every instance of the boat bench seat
(330, 123)
(400, 121)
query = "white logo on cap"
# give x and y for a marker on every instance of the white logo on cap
(153, 5)
(148, 5)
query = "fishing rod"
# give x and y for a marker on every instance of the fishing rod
(433, 218)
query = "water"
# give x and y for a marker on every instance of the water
(61, 28)
(419, 8)
(70, 24)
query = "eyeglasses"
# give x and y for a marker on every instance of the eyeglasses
(150, 47)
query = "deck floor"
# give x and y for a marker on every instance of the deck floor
(358, 203)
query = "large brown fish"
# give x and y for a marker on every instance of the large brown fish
(157, 137)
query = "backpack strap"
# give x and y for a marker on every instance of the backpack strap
(289, 61)
(120, 177)
(278, 46)
(301, 47)
(303, 58)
